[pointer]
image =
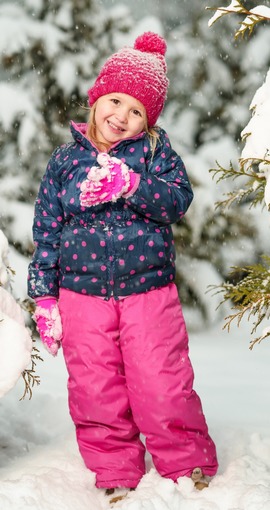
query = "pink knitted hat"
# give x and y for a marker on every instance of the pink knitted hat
(139, 72)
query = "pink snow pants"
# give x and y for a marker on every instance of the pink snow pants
(130, 374)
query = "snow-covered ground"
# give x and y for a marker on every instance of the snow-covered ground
(41, 469)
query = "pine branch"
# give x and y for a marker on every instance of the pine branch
(226, 173)
(249, 24)
(254, 186)
(29, 375)
(259, 339)
(222, 11)
(250, 297)
(252, 18)
(9, 269)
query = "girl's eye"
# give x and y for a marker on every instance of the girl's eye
(137, 112)
(115, 101)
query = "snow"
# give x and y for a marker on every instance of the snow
(40, 465)
(21, 230)
(21, 30)
(15, 339)
(4, 262)
(15, 104)
(267, 188)
(235, 6)
(64, 16)
(139, 28)
(257, 51)
(66, 75)
(200, 273)
(261, 10)
(41, 468)
(257, 130)
(257, 135)
(14, 101)
(15, 342)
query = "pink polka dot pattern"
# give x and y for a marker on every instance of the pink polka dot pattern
(118, 248)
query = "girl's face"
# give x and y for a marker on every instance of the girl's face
(118, 116)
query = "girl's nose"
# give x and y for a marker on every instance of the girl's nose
(122, 115)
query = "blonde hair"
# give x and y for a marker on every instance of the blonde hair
(92, 136)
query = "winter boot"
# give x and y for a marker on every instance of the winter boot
(119, 494)
(200, 482)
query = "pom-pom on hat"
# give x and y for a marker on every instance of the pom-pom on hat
(139, 71)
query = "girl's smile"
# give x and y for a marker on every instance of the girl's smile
(115, 128)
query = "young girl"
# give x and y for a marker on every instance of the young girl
(105, 259)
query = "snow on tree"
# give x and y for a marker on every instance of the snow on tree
(251, 16)
(250, 295)
(15, 340)
(50, 53)
(211, 86)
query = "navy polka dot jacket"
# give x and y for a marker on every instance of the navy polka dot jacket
(113, 249)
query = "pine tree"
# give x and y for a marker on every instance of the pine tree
(51, 57)
(49, 60)
(210, 90)
(249, 290)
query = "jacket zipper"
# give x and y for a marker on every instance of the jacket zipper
(110, 254)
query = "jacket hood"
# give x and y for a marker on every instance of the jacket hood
(78, 132)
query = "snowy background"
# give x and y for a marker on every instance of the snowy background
(208, 107)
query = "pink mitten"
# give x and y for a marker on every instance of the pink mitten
(48, 321)
(106, 183)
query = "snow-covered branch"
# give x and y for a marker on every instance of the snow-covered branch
(256, 134)
(252, 16)
(250, 296)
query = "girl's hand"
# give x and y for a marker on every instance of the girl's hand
(106, 183)
(48, 321)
